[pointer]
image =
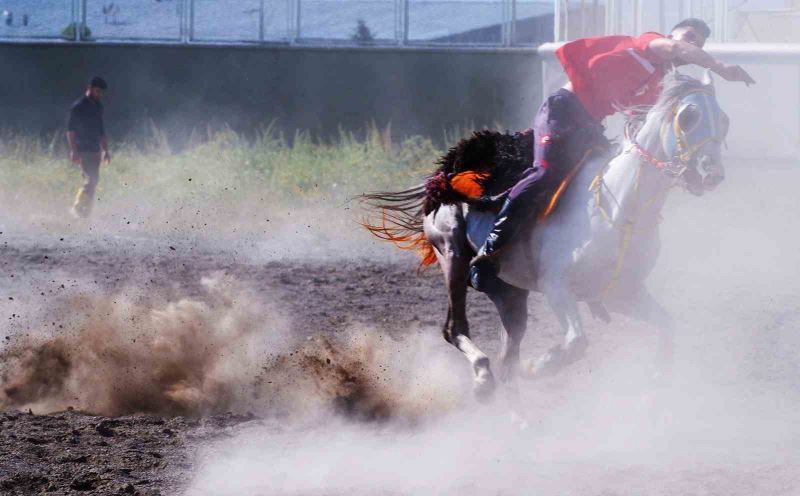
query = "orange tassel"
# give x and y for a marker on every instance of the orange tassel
(468, 184)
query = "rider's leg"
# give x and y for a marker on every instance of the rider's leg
(516, 209)
(551, 121)
(562, 131)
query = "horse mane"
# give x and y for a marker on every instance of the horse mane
(493, 159)
(674, 87)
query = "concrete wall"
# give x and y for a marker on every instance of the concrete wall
(320, 90)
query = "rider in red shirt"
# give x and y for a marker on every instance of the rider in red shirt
(606, 74)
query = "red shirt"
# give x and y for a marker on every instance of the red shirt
(611, 73)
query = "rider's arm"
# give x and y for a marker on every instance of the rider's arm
(670, 50)
(104, 147)
(73, 148)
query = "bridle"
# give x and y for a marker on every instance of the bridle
(684, 151)
(675, 168)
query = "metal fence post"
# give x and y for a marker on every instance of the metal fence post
(191, 20)
(261, 22)
(74, 21)
(182, 26)
(398, 27)
(512, 36)
(503, 22)
(557, 21)
(405, 21)
(80, 26)
(721, 19)
(298, 21)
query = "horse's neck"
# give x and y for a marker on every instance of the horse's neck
(635, 190)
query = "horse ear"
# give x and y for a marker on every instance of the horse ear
(708, 80)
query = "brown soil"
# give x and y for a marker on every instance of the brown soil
(79, 453)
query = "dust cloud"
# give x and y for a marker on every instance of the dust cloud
(726, 422)
(225, 350)
(358, 413)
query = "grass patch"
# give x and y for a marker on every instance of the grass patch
(220, 184)
(223, 162)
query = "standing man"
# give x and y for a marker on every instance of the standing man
(88, 145)
(606, 74)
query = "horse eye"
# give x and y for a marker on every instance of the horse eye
(688, 118)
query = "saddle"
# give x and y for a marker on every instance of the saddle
(480, 170)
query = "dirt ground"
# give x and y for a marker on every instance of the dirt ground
(727, 423)
(73, 452)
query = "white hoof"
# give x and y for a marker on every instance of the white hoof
(519, 422)
(556, 359)
(484, 386)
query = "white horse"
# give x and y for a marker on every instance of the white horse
(598, 246)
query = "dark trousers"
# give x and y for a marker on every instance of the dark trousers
(563, 131)
(90, 168)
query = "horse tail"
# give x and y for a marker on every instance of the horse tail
(402, 214)
(468, 170)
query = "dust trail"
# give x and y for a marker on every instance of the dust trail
(226, 350)
(604, 434)
(726, 424)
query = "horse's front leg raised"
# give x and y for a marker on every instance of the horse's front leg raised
(565, 307)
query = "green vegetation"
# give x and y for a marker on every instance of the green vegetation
(68, 33)
(219, 173)
(362, 34)
(268, 164)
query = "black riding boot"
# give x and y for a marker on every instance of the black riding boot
(483, 268)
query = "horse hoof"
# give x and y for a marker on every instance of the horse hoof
(661, 379)
(556, 359)
(484, 387)
(576, 350)
(519, 422)
(544, 366)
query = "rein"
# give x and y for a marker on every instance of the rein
(674, 168)
(685, 152)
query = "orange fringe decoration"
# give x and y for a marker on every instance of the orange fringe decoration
(551, 205)
(404, 239)
(468, 184)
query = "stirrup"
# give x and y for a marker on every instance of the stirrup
(483, 258)
(483, 278)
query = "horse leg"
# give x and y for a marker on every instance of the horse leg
(565, 307)
(456, 331)
(512, 305)
(449, 241)
(642, 306)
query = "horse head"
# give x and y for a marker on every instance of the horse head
(693, 132)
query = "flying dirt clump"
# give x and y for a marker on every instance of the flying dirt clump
(118, 356)
(364, 376)
(226, 350)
